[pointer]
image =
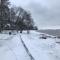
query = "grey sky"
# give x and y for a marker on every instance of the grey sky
(46, 13)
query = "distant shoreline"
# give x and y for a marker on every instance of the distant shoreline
(54, 32)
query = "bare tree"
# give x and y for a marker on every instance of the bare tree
(4, 13)
(21, 18)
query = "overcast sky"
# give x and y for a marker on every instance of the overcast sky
(46, 13)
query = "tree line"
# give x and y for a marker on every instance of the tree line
(15, 18)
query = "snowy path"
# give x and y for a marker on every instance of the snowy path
(41, 49)
(11, 48)
(28, 52)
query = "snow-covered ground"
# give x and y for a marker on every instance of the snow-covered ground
(41, 49)
(12, 48)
